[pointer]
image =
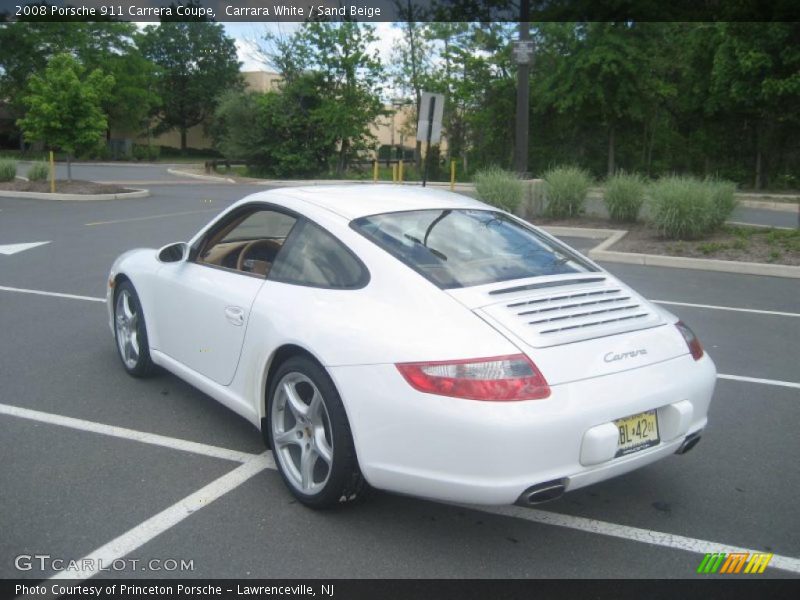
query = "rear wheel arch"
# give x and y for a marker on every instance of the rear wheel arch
(280, 356)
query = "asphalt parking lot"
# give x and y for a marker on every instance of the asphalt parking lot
(97, 464)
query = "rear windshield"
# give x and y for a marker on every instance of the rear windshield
(462, 248)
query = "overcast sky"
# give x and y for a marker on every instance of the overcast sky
(245, 33)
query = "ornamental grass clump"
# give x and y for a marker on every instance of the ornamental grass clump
(624, 196)
(682, 208)
(722, 201)
(565, 191)
(8, 170)
(39, 171)
(500, 188)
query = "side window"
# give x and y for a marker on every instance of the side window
(247, 242)
(313, 257)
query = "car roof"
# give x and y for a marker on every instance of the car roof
(354, 201)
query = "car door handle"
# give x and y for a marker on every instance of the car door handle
(235, 315)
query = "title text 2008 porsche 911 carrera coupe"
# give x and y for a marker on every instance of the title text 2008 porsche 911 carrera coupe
(415, 341)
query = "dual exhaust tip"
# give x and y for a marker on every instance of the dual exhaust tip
(542, 492)
(690, 442)
(553, 490)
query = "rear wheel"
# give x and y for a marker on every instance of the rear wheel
(130, 331)
(310, 436)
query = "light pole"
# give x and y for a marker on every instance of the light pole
(523, 54)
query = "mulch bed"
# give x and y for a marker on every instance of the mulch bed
(62, 187)
(747, 244)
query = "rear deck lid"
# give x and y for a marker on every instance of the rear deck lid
(557, 310)
(576, 326)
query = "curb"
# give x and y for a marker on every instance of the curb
(766, 205)
(612, 236)
(81, 197)
(459, 187)
(180, 173)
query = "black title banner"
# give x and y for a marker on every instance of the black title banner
(400, 10)
(406, 589)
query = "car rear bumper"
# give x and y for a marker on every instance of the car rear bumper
(491, 452)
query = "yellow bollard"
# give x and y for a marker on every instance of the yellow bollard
(375, 171)
(452, 174)
(52, 174)
(400, 174)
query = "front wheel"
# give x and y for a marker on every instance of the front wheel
(310, 436)
(130, 331)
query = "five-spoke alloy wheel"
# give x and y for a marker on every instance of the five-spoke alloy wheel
(311, 437)
(130, 331)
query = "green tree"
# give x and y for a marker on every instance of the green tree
(600, 72)
(196, 64)
(348, 82)
(29, 45)
(64, 107)
(282, 133)
(756, 76)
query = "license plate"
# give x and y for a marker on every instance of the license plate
(637, 432)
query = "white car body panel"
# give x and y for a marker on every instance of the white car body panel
(201, 315)
(408, 441)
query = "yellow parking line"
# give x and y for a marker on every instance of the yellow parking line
(148, 217)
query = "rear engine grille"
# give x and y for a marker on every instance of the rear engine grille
(580, 312)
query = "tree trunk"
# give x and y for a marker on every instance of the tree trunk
(611, 164)
(758, 166)
(183, 140)
(341, 164)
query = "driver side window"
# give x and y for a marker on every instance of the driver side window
(247, 242)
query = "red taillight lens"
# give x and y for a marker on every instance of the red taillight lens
(691, 340)
(501, 378)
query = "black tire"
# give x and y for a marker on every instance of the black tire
(329, 483)
(134, 352)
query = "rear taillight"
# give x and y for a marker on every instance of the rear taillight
(501, 378)
(691, 340)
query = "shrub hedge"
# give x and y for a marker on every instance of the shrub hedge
(565, 191)
(500, 188)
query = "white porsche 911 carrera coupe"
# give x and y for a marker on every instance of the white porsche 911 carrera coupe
(415, 341)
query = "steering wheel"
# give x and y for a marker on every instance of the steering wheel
(249, 248)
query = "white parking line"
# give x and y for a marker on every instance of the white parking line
(731, 308)
(255, 463)
(789, 384)
(128, 434)
(635, 534)
(54, 294)
(144, 532)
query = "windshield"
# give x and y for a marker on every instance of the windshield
(463, 248)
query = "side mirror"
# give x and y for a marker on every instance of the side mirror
(171, 253)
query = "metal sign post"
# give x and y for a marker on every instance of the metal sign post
(429, 127)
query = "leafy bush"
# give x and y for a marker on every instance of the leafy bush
(565, 191)
(624, 196)
(143, 152)
(722, 201)
(681, 207)
(39, 171)
(499, 188)
(8, 170)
